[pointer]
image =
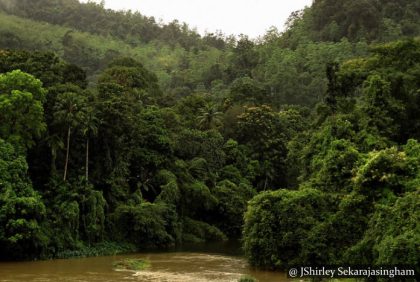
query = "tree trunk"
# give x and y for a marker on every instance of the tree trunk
(87, 159)
(67, 154)
(53, 159)
(265, 182)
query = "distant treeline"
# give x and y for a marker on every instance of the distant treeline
(131, 27)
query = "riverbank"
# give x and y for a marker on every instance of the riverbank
(106, 248)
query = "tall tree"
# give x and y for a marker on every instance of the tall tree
(333, 86)
(68, 112)
(261, 129)
(90, 126)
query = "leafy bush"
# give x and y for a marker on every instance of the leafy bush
(104, 248)
(22, 210)
(146, 225)
(393, 234)
(232, 204)
(277, 224)
(384, 174)
(198, 232)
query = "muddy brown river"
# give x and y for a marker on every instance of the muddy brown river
(198, 264)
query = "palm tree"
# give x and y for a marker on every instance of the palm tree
(209, 117)
(90, 128)
(67, 112)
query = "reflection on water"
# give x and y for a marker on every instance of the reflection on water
(197, 264)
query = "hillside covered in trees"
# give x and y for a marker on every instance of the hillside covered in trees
(120, 133)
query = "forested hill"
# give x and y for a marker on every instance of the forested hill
(90, 36)
(371, 20)
(326, 20)
(131, 27)
(118, 134)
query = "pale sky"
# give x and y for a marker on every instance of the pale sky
(250, 17)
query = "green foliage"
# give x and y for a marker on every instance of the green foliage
(333, 171)
(328, 241)
(68, 107)
(207, 145)
(243, 59)
(389, 84)
(76, 212)
(412, 151)
(132, 264)
(92, 209)
(197, 198)
(392, 236)
(163, 136)
(46, 66)
(93, 51)
(384, 174)
(134, 78)
(209, 117)
(278, 223)
(21, 111)
(133, 28)
(22, 211)
(261, 127)
(198, 232)
(247, 278)
(104, 248)
(232, 204)
(373, 221)
(170, 193)
(298, 75)
(329, 20)
(146, 224)
(380, 106)
(247, 90)
(335, 137)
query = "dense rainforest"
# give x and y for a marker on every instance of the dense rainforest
(119, 133)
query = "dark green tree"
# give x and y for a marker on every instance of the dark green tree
(22, 211)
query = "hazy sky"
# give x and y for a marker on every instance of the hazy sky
(251, 17)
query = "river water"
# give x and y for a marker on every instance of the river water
(199, 263)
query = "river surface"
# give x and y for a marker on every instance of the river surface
(198, 263)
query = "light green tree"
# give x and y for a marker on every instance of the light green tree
(21, 110)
